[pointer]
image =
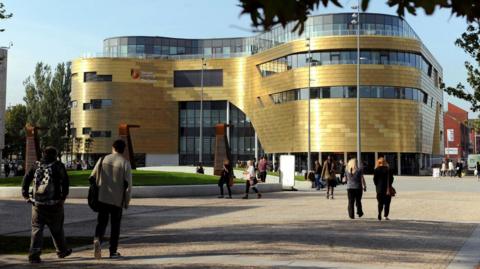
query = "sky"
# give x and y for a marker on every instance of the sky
(54, 31)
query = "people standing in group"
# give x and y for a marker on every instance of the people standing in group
(328, 174)
(50, 190)
(443, 169)
(355, 187)
(459, 168)
(225, 178)
(114, 180)
(251, 180)
(383, 179)
(262, 169)
(318, 175)
(451, 168)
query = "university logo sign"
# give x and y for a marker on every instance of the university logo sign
(138, 74)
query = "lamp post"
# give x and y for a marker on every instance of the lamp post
(356, 21)
(309, 161)
(200, 154)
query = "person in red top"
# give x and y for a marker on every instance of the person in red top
(262, 168)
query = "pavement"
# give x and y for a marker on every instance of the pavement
(434, 224)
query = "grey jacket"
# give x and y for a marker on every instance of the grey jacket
(116, 173)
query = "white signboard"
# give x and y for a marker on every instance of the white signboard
(450, 135)
(472, 161)
(451, 151)
(436, 172)
(287, 171)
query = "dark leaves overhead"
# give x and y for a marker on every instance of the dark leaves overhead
(267, 13)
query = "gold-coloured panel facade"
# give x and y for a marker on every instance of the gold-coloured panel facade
(388, 125)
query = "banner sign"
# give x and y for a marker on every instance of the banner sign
(450, 135)
(287, 170)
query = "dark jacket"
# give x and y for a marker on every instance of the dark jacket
(380, 175)
(59, 176)
(227, 172)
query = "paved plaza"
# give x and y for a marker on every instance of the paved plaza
(433, 224)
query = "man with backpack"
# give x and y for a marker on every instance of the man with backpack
(50, 189)
(112, 174)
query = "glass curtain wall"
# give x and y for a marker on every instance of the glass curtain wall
(242, 134)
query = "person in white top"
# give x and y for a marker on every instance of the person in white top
(451, 168)
(443, 170)
(251, 180)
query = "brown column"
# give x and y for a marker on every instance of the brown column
(32, 149)
(124, 134)
(222, 148)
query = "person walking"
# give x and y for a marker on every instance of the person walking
(383, 179)
(50, 190)
(459, 168)
(477, 168)
(342, 171)
(318, 174)
(328, 174)
(227, 175)
(114, 180)
(262, 169)
(6, 168)
(251, 180)
(355, 187)
(451, 168)
(443, 169)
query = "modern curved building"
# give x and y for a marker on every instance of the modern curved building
(260, 85)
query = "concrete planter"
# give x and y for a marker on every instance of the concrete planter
(155, 191)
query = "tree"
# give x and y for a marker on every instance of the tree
(470, 43)
(15, 120)
(3, 14)
(268, 13)
(47, 99)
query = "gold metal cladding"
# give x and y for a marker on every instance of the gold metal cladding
(387, 125)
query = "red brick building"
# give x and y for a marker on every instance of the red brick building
(457, 133)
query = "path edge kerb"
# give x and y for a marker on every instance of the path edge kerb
(155, 191)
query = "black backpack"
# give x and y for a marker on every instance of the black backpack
(43, 185)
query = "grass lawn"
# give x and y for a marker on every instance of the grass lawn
(19, 245)
(140, 178)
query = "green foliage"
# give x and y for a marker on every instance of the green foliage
(3, 14)
(470, 43)
(47, 98)
(268, 13)
(15, 120)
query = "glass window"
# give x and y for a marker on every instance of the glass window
(352, 91)
(336, 92)
(409, 93)
(302, 60)
(366, 92)
(325, 92)
(334, 58)
(86, 130)
(388, 92)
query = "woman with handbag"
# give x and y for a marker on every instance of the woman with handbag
(355, 187)
(328, 174)
(251, 180)
(383, 179)
(227, 174)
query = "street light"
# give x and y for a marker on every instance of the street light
(200, 157)
(308, 97)
(356, 21)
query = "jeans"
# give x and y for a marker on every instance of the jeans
(355, 197)
(53, 217)
(254, 188)
(221, 182)
(318, 183)
(115, 213)
(383, 202)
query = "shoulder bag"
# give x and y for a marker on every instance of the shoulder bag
(93, 189)
(390, 190)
